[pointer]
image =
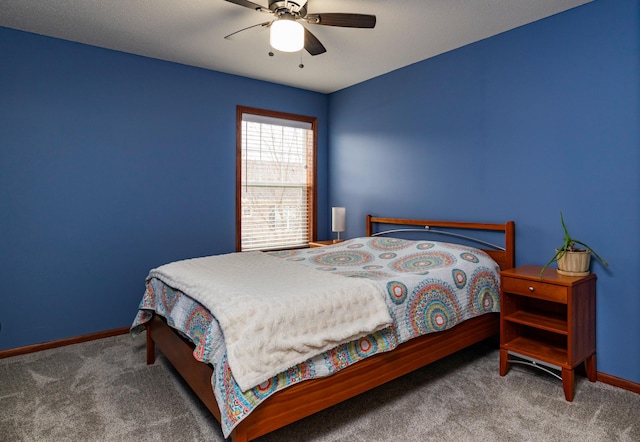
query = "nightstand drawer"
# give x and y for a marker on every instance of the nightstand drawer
(540, 290)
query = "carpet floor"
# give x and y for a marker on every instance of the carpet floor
(104, 391)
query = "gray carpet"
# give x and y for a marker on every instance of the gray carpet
(104, 391)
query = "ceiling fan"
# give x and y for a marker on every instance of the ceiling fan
(288, 35)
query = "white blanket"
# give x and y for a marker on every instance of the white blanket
(275, 313)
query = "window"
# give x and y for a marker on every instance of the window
(275, 179)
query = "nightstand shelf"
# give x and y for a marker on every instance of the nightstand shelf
(536, 349)
(555, 324)
(549, 321)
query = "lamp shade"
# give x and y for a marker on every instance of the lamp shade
(287, 35)
(338, 219)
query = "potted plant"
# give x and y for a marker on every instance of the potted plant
(572, 260)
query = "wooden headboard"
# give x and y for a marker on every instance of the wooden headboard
(506, 258)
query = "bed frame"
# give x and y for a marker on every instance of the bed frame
(311, 396)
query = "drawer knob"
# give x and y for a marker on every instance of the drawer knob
(531, 289)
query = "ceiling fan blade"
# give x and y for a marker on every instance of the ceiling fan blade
(312, 44)
(258, 27)
(342, 20)
(250, 5)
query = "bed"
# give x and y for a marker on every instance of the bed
(302, 394)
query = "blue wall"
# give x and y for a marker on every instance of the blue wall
(110, 165)
(542, 119)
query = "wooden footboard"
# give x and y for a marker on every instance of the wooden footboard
(309, 397)
(179, 351)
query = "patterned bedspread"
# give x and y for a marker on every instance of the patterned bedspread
(430, 286)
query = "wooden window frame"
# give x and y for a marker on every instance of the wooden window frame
(311, 190)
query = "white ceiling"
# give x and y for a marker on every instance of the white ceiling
(192, 32)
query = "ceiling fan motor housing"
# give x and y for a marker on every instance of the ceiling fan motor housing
(281, 7)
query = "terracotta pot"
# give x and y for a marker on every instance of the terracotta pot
(575, 263)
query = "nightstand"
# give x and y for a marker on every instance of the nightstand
(327, 242)
(548, 322)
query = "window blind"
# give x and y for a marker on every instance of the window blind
(276, 177)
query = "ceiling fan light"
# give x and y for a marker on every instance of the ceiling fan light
(287, 35)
